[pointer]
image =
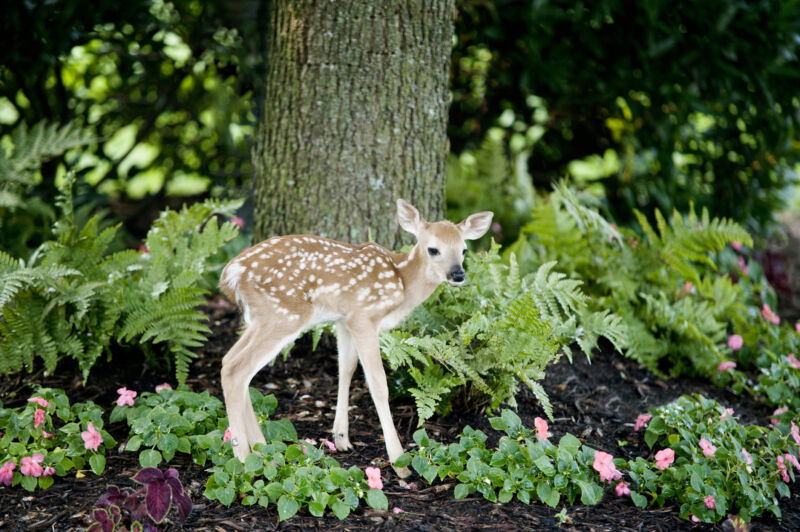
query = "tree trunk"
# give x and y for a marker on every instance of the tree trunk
(355, 116)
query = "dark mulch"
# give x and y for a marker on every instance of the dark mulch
(597, 402)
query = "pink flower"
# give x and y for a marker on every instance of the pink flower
(695, 519)
(710, 502)
(303, 443)
(735, 342)
(7, 473)
(743, 265)
(227, 436)
(46, 434)
(91, 438)
(708, 449)
(238, 222)
(778, 412)
(541, 427)
(736, 245)
(162, 386)
(39, 401)
(374, 478)
(397, 511)
(622, 489)
(329, 444)
(793, 360)
(770, 316)
(143, 249)
(664, 458)
(797, 327)
(795, 432)
(792, 460)
(725, 366)
(49, 471)
(125, 397)
(689, 288)
(38, 418)
(781, 468)
(747, 458)
(604, 464)
(411, 486)
(30, 465)
(642, 421)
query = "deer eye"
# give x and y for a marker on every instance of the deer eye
(464, 252)
(433, 252)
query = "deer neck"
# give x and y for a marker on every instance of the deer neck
(419, 285)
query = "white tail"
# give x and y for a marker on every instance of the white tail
(287, 284)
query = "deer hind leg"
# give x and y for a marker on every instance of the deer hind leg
(239, 367)
(348, 360)
(365, 336)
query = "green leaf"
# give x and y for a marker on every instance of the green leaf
(570, 444)
(591, 493)
(403, 460)
(461, 491)
(226, 494)
(287, 507)
(29, 483)
(253, 463)
(340, 509)
(45, 482)
(149, 458)
(133, 443)
(316, 509)
(97, 463)
(638, 499)
(377, 499)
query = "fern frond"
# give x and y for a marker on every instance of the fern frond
(32, 147)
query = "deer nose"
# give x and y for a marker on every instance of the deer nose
(457, 274)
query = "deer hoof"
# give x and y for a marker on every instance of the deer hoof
(402, 472)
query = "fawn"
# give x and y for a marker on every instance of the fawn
(286, 284)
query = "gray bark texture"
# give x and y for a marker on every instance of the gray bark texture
(355, 116)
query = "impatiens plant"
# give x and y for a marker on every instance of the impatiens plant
(711, 464)
(48, 437)
(141, 508)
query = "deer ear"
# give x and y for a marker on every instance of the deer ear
(408, 217)
(476, 225)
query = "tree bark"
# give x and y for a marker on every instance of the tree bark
(355, 116)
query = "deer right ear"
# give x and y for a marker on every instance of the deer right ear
(408, 217)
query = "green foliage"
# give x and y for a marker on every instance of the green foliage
(523, 465)
(72, 297)
(665, 288)
(55, 435)
(741, 474)
(475, 343)
(714, 127)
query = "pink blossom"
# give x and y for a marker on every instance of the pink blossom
(7, 473)
(710, 502)
(664, 458)
(792, 460)
(397, 511)
(781, 468)
(303, 443)
(725, 366)
(778, 412)
(604, 464)
(125, 397)
(541, 427)
(695, 519)
(743, 266)
(689, 288)
(622, 489)
(793, 360)
(724, 415)
(770, 316)
(143, 249)
(30, 465)
(797, 327)
(162, 386)
(795, 432)
(238, 222)
(642, 421)
(329, 444)
(38, 418)
(708, 449)
(91, 438)
(39, 401)
(374, 478)
(411, 486)
(747, 458)
(736, 245)
(49, 471)
(46, 434)
(227, 436)
(735, 342)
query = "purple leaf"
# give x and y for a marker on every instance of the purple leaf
(114, 513)
(148, 475)
(184, 505)
(171, 473)
(158, 498)
(95, 527)
(136, 526)
(177, 488)
(99, 515)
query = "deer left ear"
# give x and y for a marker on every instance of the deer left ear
(476, 225)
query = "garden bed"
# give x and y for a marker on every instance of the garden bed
(596, 402)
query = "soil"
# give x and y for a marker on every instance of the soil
(597, 402)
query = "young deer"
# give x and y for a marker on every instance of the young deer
(287, 284)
